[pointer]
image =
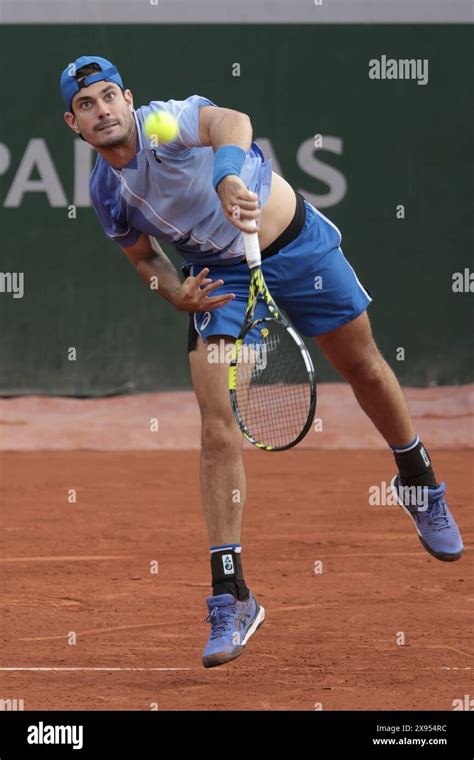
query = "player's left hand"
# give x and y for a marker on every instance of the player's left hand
(238, 202)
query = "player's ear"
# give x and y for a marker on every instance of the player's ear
(129, 98)
(70, 120)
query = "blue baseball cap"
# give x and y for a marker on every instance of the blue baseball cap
(69, 84)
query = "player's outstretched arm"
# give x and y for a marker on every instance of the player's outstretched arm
(230, 135)
(223, 126)
(159, 274)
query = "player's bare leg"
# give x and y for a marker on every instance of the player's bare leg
(352, 351)
(223, 482)
(234, 614)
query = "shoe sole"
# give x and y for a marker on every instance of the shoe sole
(220, 658)
(443, 556)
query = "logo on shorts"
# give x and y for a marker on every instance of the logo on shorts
(205, 320)
(228, 564)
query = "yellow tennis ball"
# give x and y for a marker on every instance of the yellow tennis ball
(161, 127)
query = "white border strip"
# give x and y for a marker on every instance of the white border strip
(230, 12)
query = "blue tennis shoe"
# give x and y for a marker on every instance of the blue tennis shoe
(436, 527)
(232, 624)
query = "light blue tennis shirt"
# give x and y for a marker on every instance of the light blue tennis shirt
(167, 193)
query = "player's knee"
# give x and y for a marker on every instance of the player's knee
(368, 370)
(220, 434)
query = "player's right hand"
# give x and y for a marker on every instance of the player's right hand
(193, 294)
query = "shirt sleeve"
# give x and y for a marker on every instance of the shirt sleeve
(187, 113)
(113, 221)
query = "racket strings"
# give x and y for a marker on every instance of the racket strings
(273, 391)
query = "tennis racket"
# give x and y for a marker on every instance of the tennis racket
(272, 380)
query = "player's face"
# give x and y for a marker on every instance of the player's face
(102, 114)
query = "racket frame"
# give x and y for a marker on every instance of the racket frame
(258, 287)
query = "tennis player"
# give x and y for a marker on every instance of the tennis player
(198, 193)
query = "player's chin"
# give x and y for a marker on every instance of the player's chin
(108, 137)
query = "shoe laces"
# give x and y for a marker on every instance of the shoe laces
(437, 514)
(219, 618)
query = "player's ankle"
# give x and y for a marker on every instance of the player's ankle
(414, 464)
(227, 573)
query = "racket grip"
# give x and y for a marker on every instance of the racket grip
(251, 245)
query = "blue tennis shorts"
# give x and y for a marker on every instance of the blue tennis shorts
(310, 279)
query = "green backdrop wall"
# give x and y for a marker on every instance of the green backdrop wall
(394, 142)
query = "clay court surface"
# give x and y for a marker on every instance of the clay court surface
(330, 637)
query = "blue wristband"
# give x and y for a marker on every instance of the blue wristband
(228, 159)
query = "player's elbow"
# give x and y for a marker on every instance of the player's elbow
(244, 118)
(229, 127)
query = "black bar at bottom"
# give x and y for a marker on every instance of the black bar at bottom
(423, 734)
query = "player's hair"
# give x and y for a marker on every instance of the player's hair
(84, 71)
